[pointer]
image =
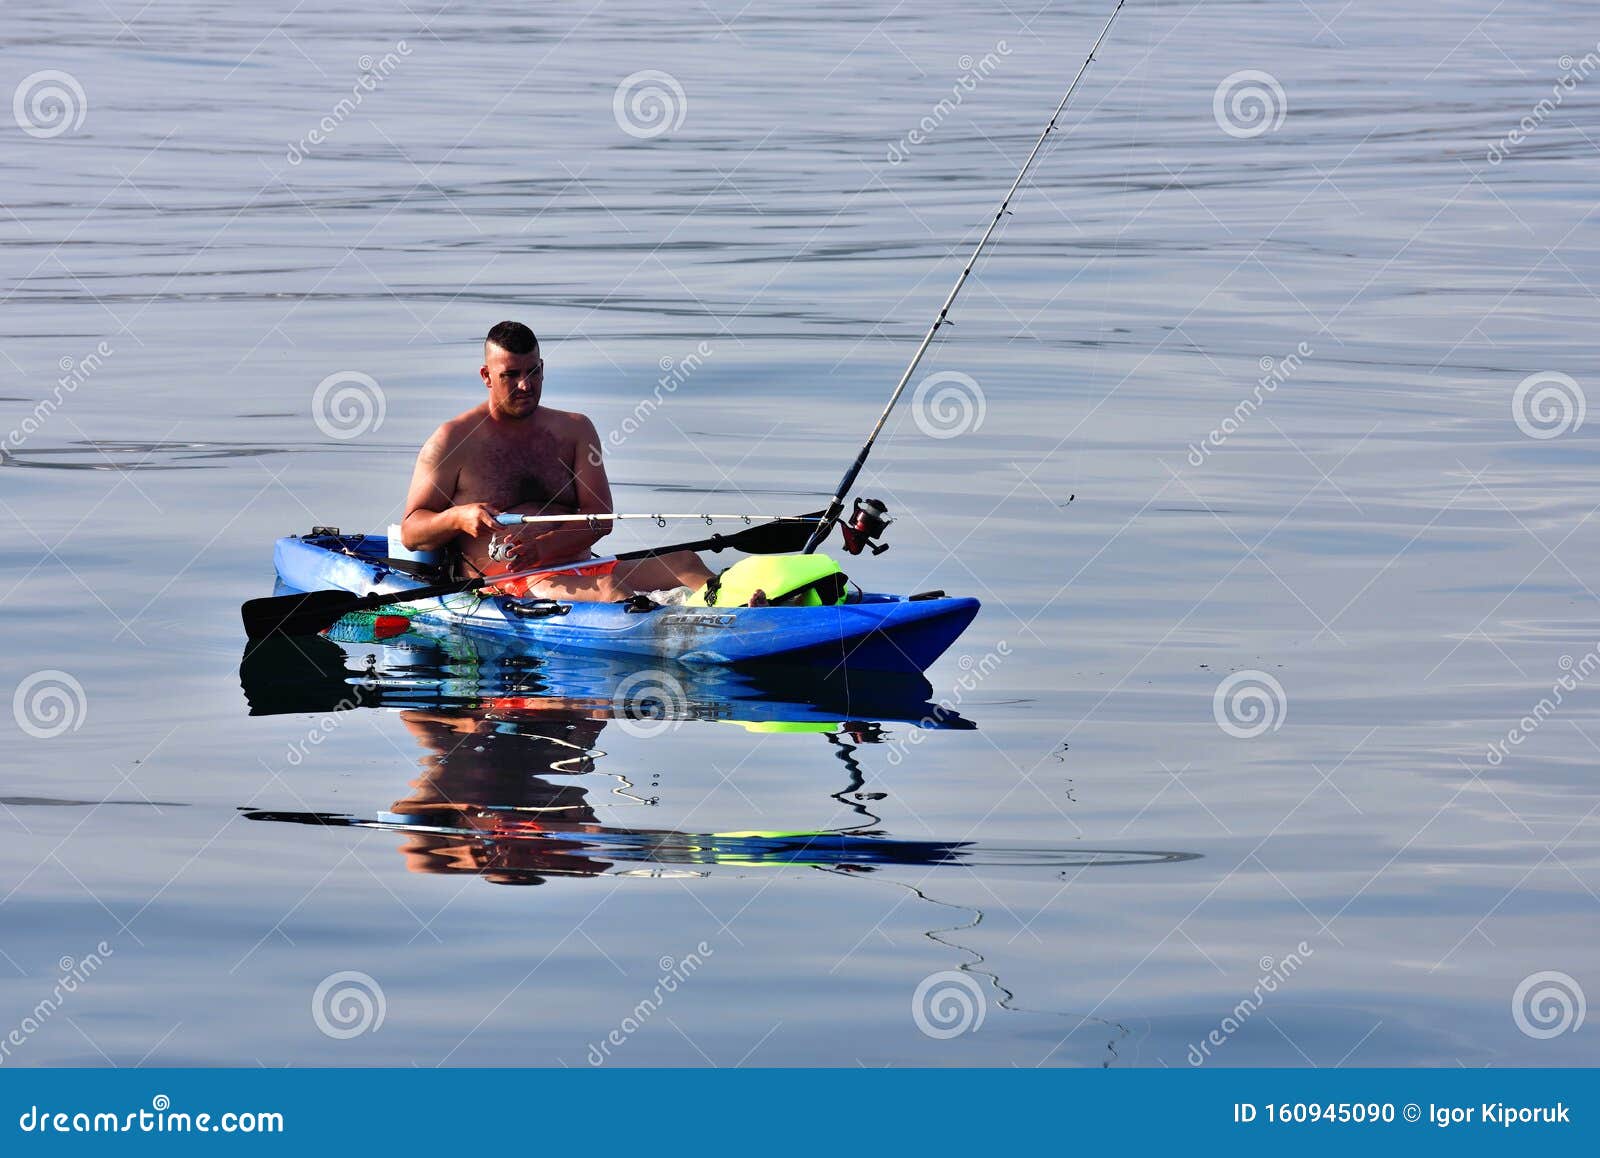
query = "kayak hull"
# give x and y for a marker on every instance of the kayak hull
(885, 633)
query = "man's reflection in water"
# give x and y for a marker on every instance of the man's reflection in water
(489, 774)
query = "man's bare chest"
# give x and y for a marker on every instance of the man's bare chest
(507, 472)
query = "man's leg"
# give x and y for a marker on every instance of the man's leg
(679, 569)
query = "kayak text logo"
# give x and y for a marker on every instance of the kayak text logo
(1548, 404)
(1249, 103)
(1248, 704)
(348, 1004)
(49, 103)
(649, 103)
(948, 404)
(948, 1004)
(348, 404)
(1548, 1004)
(48, 703)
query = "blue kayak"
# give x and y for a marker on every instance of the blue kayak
(875, 633)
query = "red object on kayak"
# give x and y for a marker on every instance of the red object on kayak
(518, 588)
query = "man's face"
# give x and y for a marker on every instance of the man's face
(515, 381)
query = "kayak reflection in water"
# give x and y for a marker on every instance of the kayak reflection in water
(501, 734)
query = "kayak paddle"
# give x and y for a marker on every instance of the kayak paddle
(315, 611)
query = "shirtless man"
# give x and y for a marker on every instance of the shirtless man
(512, 454)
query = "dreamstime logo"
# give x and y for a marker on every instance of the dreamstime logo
(74, 373)
(1548, 1004)
(73, 975)
(48, 703)
(649, 104)
(948, 1004)
(1573, 73)
(1248, 704)
(674, 373)
(1548, 404)
(650, 702)
(371, 74)
(1274, 373)
(973, 673)
(948, 404)
(348, 404)
(49, 103)
(348, 1004)
(674, 973)
(973, 72)
(1249, 103)
(1573, 673)
(1275, 972)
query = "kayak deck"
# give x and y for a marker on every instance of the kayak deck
(878, 633)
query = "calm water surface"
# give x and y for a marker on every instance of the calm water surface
(1096, 862)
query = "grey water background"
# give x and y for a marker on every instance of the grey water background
(1381, 537)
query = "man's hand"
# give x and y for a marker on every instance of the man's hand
(475, 519)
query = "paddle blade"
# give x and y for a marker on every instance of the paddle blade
(781, 537)
(305, 614)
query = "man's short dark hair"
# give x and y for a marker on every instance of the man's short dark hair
(513, 338)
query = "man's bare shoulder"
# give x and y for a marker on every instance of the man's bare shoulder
(457, 431)
(566, 422)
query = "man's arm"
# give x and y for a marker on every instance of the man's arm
(432, 522)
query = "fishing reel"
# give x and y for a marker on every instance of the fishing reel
(865, 524)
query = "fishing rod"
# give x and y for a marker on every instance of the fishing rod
(510, 519)
(836, 505)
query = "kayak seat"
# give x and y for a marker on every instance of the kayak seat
(786, 580)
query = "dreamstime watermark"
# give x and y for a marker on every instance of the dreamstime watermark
(1248, 704)
(649, 103)
(948, 404)
(1273, 974)
(348, 1004)
(673, 974)
(347, 404)
(372, 75)
(973, 673)
(973, 72)
(48, 103)
(1576, 672)
(1548, 404)
(674, 373)
(74, 373)
(650, 702)
(1573, 73)
(1274, 373)
(1548, 1004)
(1249, 103)
(49, 703)
(297, 750)
(948, 1004)
(72, 975)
